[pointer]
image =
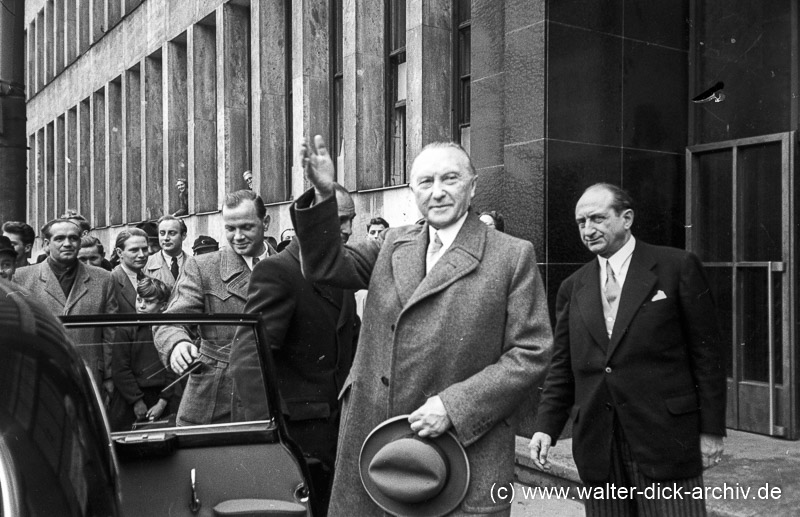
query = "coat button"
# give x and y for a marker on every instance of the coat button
(609, 406)
(385, 380)
(608, 369)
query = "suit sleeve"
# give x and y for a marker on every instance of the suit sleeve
(477, 403)
(700, 326)
(323, 256)
(187, 297)
(558, 394)
(271, 297)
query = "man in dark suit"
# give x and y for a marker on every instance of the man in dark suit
(455, 331)
(132, 250)
(310, 329)
(638, 359)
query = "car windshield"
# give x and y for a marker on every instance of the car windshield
(129, 357)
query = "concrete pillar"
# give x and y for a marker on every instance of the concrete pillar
(310, 80)
(60, 179)
(202, 113)
(41, 205)
(71, 161)
(429, 81)
(58, 36)
(49, 171)
(84, 24)
(13, 142)
(153, 137)
(132, 135)
(364, 87)
(99, 165)
(233, 96)
(114, 150)
(97, 19)
(269, 84)
(40, 50)
(49, 41)
(71, 31)
(175, 121)
(84, 138)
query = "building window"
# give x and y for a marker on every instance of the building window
(396, 105)
(337, 79)
(462, 48)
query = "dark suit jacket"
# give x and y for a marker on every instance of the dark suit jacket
(126, 294)
(310, 329)
(661, 372)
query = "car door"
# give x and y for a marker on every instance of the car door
(227, 465)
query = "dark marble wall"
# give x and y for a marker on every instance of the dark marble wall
(617, 111)
(746, 45)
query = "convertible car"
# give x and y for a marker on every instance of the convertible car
(66, 449)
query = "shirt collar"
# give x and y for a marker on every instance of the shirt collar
(619, 258)
(168, 259)
(249, 260)
(448, 234)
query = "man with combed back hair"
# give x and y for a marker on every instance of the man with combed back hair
(214, 283)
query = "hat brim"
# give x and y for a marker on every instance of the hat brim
(454, 490)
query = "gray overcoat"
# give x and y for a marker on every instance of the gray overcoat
(92, 293)
(475, 331)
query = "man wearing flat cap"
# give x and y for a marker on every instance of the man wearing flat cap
(455, 333)
(204, 244)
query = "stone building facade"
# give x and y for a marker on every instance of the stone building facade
(127, 96)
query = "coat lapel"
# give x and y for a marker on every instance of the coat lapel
(124, 286)
(459, 260)
(639, 282)
(232, 265)
(408, 263)
(591, 306)
(51, 285)
(79, 288)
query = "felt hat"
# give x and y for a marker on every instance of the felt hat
(411, 476)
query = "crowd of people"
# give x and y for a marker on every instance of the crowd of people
(411, 344)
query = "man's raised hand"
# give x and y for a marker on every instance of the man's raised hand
(318, 167)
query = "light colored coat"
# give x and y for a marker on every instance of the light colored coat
(92, 293)
(475, 331)
(157, 267)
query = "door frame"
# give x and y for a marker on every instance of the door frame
(782, 398)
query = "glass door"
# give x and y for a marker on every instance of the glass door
(738, 221)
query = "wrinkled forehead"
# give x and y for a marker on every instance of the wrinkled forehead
(244, 213)
(170, 224)
(65, 229)
(593, 201)
(433, 160)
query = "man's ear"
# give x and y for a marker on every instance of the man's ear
(28, 248)
(267, 220)
(628, 216)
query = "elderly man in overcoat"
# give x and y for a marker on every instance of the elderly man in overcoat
(67, 287)
(455, 333)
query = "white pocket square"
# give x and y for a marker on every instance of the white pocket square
(659, 296)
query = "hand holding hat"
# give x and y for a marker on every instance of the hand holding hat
(407, 475)
(431, 419)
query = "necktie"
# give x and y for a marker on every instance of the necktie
(612, 286)
(174, 267)
(433, 250)
(611, 291)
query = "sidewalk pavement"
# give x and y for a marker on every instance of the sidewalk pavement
(758, 475)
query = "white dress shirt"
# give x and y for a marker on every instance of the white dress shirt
(447, 236)
(249, 260)
(620, 261)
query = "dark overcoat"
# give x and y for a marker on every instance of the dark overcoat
(475, 331)
(126, 294)
(661, 372)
